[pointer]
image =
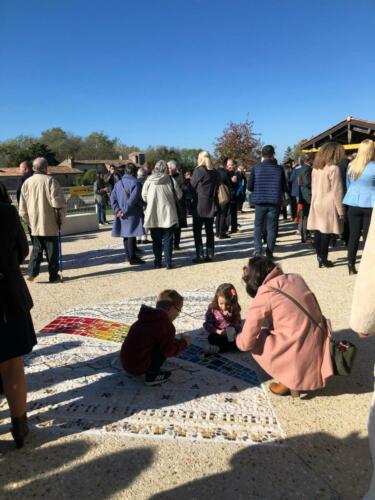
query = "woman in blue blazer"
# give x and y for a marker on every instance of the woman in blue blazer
(360, 197)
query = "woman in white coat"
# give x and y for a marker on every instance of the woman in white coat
(161, 194)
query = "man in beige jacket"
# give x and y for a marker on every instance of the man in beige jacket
(42, 207)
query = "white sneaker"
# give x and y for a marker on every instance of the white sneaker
(211, 349)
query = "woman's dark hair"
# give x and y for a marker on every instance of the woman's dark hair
(131, 169)
(255, 273)
(4, 196)
(229, 293)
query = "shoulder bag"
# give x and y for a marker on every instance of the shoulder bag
(343, 352)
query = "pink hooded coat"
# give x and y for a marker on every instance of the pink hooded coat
(294, 351)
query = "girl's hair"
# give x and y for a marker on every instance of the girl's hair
(229, 293)
(169, 298)
(330, 153)
(366, 153)
(255, 273)
(161, 167)
(204, 159)
(4, 196)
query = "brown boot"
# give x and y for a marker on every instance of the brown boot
(282, 390)
(19, 430)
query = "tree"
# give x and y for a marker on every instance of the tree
(240, 143)
(98, 146)
(189, 158)
(25, 148)
(63, 143)
(154, 154)
(288, 154)
(297, 150)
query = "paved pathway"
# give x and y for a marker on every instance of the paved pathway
(325, 454)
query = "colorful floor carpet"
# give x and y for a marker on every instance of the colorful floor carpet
(77, 384)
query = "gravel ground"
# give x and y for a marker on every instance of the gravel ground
(326, 454)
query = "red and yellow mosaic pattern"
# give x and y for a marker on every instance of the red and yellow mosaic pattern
(88, 327)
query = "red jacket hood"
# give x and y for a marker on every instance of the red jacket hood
(147, 314)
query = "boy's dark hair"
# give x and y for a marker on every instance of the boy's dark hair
(255, 273)
(268, 151)
(229, 293)
(169, 298)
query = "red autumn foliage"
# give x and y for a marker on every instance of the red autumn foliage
(240, 143)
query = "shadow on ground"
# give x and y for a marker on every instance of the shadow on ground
(314, 466)
(35, 469)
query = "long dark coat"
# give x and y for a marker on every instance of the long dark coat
(205, 184)
(127, 197)
(15, 298)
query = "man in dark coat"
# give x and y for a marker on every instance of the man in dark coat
(222, 210)
(233, 180)
(26, 171)
(304, 182)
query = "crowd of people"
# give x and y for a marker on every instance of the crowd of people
(284, 329)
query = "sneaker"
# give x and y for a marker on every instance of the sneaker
(157, 378)
(211, 349)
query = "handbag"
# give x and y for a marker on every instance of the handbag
(223, 195)
(343, 353)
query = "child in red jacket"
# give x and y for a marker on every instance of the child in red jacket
(151, 339)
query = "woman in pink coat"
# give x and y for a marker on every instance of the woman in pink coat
(292, 348)
(326, 214)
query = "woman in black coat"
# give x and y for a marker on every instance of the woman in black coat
(205, 183)
(17, 336)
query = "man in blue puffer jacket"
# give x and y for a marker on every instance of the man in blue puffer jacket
(267, 183)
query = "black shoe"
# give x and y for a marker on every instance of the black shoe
(177, 247)
(352, 269)
(55, 280)
(157, 266)
(136, 261)
(224, 237)
(19, 430)
(324, 262)
(197, 260)
(169, 266)
(157, 378)
(208, 259)
(269, 254)
(233, 231)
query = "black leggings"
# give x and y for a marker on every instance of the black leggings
(359, 222)
(222, 342)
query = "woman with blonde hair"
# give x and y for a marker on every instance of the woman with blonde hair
(360, 197)
(326, 215)
(205, 184)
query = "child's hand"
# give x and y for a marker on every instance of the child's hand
(187, 339)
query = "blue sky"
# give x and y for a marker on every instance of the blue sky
(175, 72)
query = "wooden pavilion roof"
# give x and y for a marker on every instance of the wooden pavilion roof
(350, 131)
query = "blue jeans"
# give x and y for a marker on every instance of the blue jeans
(269, 215)
(101, 214)
(162, 238)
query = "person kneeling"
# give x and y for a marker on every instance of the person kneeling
(295, 349)
(151, 339)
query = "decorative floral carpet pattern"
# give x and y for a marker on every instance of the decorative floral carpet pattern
(76, 382)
